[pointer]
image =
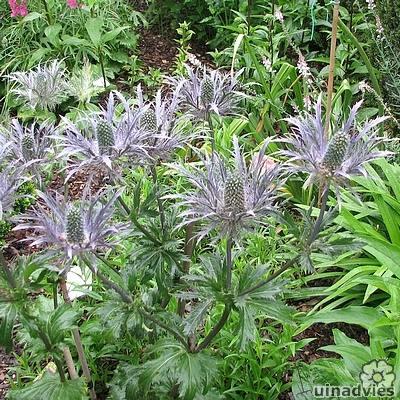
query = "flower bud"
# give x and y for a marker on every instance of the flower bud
(206, 91)
(148, 121)
(105, 136)
(27, 146)
(234, 196)
(336, 152)
(74, 229)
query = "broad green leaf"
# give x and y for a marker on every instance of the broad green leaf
(8, 313)
(94, 29)
(354, 354)
(358, 315)
(51, 388)
(32, 16)
(107, 37)
(52, 32)
(192, 371)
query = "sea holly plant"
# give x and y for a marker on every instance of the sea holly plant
(219, 198)
(42, 88)
(104, 140)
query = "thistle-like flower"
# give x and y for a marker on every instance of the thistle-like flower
(83, 84)
(230, 198)
(43, 87)
(209, 91)
(11, 179)
(28, 144)
(74, 228)
(159, 120)
(332, 160)
(105, 139)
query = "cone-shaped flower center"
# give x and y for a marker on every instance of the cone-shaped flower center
(336, 152)
(206, 91)
(27, 146)
(234, 196)
(105, 136)
(148, 121)
(74, 229)
(41, 83)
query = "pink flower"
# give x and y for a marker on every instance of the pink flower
(18, 9)
(73, 4)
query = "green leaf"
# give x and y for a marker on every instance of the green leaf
(107, 37)
(354, 354)
(8, 313)
(192, 371)
(51, 388)
(74, 41)
(52, 32)
(61, 321)
(357, 315)
(196, 316)
(94, 29)
(31, 17)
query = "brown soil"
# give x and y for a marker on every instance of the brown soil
(6, 362)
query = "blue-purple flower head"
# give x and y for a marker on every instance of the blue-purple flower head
(28, 143)
(11, 178)
(166, 132)
(74, 228)
(206, 91)
(104, 140)
(229, 196)
(336, 159)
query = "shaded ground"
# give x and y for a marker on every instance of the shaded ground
(6, 361)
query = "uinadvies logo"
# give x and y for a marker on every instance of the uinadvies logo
(377, 380)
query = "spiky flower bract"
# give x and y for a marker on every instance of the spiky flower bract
(159, 119)
(74, 228)
(105, 140)
(43, 87)
(336, 159)
(11, 179)
(206, 91)
(228, 195)
(28, 143)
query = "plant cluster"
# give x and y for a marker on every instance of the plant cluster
(189, 235)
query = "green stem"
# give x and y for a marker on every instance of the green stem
(249, 12)
(106, 262)
(78, 344)
(126, 298)
(164, 326)
(55, 295)
(103, 72)
(214, 332)
(47, 344)
(137, 223)
(48, 15)
(188, 252)
(7, 271)
(363, 55)
(313, 235)
(161, 211)
(229, 244)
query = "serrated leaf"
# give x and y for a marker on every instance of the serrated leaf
(51, 388)
(8, 313)
(60, 321)
(196, 316)
(192, 371)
